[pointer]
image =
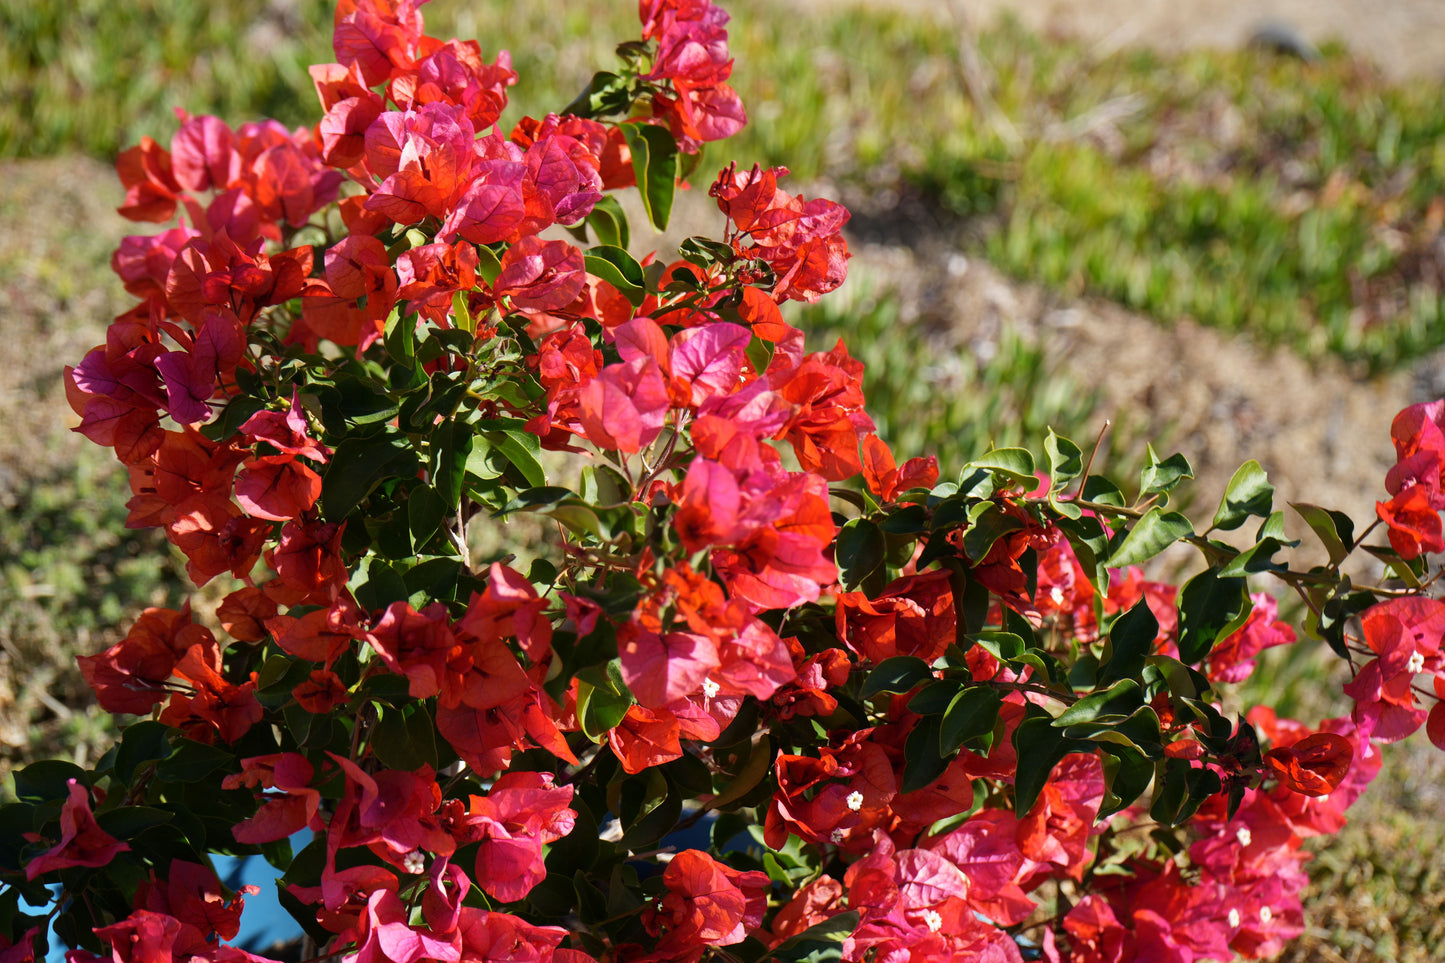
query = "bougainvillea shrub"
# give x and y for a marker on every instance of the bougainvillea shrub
(780, 695)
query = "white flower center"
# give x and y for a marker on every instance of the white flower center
(932, 920)
(1057, 594)
(710, 688)
(855, 800)
(1417, 661)
(1234, 918)
(837, 835)
(414, 862)
(1243, 835)
(1265, 914)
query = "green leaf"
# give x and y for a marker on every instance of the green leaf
(1152, 534)
(1131, 639)
(609, 222)
(1127, 773)
(358, 466)
(1004, 646)
(399, 337)
(127, 822)
(1255, 559)
(1409, 571)
(987, 524)
(600, 709)
(924, 760)
(619, 269)
(898, 674)
(1017, 464)
(1248, 493)
(705, 252)
(488, 264)
(1334, 529)
(518, 446)
(405, 738)
(142, 742)
(654, 162)
(820, 943)
(859, 551)
(934, 698)
(1066, 460)
(192, 761)
(1040, 745)
(970, 717)
(1120, 699)
(758, 763)
(47, 780)
(1210, 608)
(448, 448)
(605, 94)
(425, 511)
(1162, 477)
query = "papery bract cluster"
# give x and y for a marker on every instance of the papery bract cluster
(759, 691)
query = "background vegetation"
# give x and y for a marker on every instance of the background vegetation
(1291, 203)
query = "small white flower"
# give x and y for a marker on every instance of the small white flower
(414, 862)
(1243, 835)
(710, 688)
(837, 836)
(1417, 661)
(932, 920)
(855, 800)
(1265, 914)
(1057, 594)
(1234, 918)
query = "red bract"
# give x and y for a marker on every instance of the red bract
(914, 616)
(801, 240)
(521, 813)
(1315, 765)
(687, 648)
(82, 841)
(540, 275)
(707, 902)
(131, 675)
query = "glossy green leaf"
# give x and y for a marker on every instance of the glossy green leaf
(619, 269)
(1162, 477)
(898, 674)
(859, 551)
(1248, 493)
(358, 466)
(48, 779)
(820, 943)
(609, 223)
(654, 162)
(970, 718)
(1120, 699)
(142, 742)
(1066, 460)
(987, 524)
(1210, 608)
(1016, 464)
(1039, 745)
(1152, 534)
(1130, 641)
(448, 448)
(1334, 529)
(924, 760)
(935, 697)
